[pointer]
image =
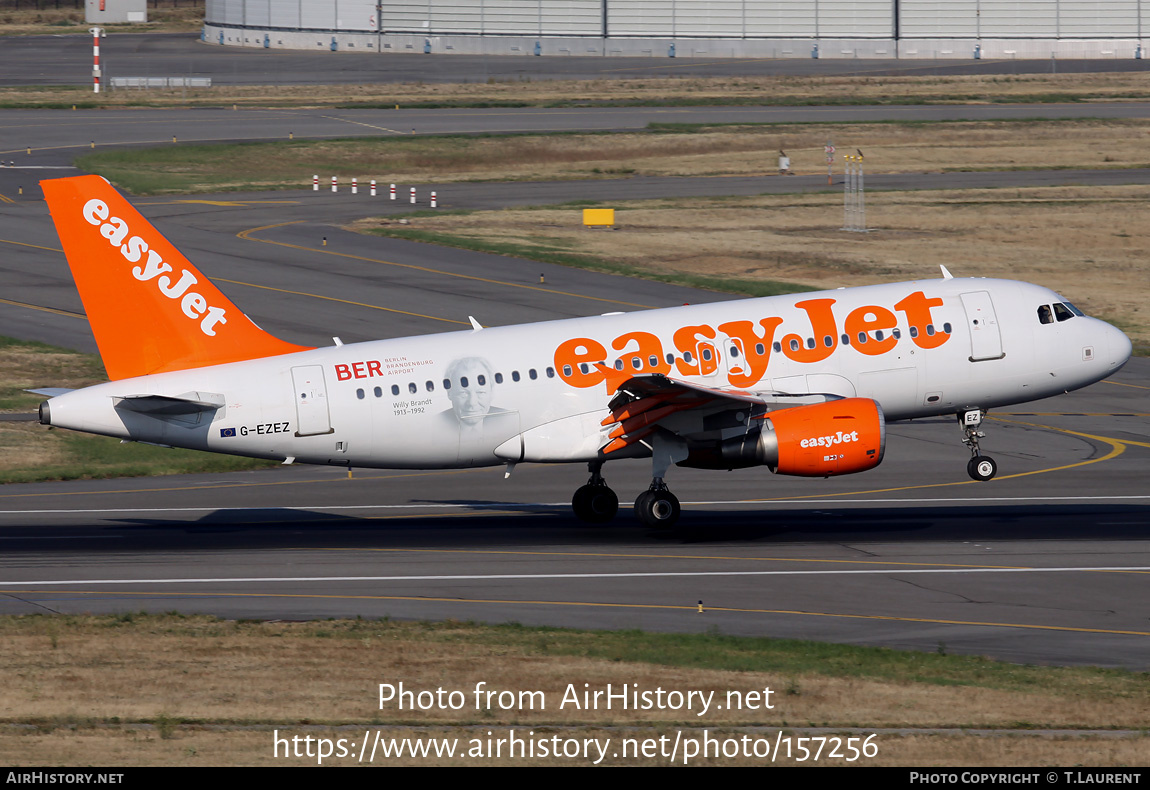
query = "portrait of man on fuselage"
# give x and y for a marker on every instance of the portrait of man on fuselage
(481, 427)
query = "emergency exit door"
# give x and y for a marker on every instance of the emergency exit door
(982, 323)
(311, 410)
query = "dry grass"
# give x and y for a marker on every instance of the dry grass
(185, 18)
(199, 747)
(33, 365)
(1090, 244)
(745, 150)
(86, 684)
(616, 88)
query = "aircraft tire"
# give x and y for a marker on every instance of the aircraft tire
(982, 468)
(595, 504)
(658, 509)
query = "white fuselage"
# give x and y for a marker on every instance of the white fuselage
(534, 392)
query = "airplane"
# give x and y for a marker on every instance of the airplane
(802, 384)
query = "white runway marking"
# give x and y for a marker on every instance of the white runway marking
(4, 586)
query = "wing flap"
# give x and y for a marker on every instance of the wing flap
(645, 403)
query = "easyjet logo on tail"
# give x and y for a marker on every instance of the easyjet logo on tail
(134, 248)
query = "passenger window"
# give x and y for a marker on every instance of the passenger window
(414, 389)
(636, 363)
(687, 357)
(463, 382)
(878, 334)
(777, 346)
(862, 337)
(707, 354)
(359, 394)
(898, 332)
(447, 384)
(583, 368)
(550, 373)
(652, 360)
(1044, 315)
(379, 392)
(531, 374)
(567, 371)
(914, 331)
(394, 389)
(810, 342)
(794, 345)
(930, 329)
(828, 341)
(481, 380)
(670, 359)
(1061, 313)
(430, 386)
(734, 352)
(846, 340)
(618, 364)
(498, 378)
(515, 375)
(760, 349)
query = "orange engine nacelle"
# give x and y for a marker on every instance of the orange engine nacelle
(834, 438)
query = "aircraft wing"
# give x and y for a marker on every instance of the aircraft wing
(645, 403)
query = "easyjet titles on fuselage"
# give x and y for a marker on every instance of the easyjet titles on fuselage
(193, 304)
(870, 329)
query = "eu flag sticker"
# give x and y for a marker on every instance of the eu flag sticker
(227, 432)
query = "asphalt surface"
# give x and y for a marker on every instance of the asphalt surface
(1045, 564)
(54, 137)
(67, 60)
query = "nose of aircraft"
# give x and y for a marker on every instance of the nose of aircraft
(1119, 346)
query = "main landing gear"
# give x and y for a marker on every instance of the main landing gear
(657, 507)
(595, 503)
(980, 467)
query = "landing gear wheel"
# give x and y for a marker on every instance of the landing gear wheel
(657, 509)
(641, 504)
(595, 504)
(981, 467)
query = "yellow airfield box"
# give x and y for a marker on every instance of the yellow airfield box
(599, 216)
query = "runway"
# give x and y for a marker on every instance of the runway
(1048, 563)
(67, 60)
(55, 137)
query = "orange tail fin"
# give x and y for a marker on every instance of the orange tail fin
(150, 309)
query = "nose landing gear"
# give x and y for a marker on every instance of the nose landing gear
(980, 467)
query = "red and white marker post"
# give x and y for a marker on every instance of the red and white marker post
(355, 185)
(413, 195)
(334, 184)
(315, 183)
(393, 191)
(373, 187)
(433, 204)
(96, 32)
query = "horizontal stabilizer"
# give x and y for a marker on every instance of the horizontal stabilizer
(168, 405)
(50, 392)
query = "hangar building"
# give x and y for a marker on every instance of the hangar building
(963, 29)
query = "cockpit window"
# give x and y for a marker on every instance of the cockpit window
(1074, 309)
(1044, 315)
(1062, 312)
